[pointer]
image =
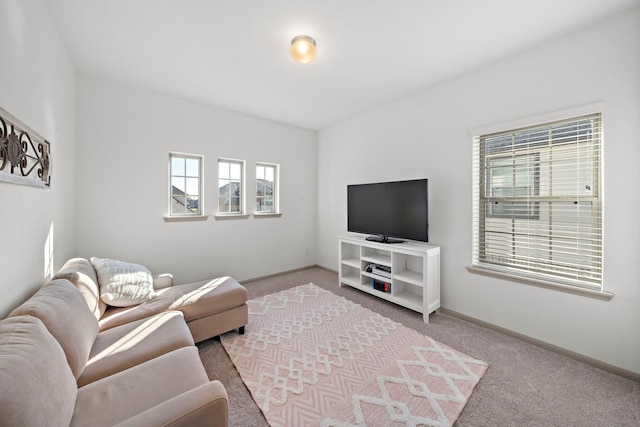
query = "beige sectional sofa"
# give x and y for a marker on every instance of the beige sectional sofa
(68, 359)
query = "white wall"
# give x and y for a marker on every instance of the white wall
(124, 137)
(37, 85)
(428, 135)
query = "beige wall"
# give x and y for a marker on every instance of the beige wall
(124, 137)
(37, 85)
(429, 135)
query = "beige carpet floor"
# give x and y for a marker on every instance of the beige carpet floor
(525, 385)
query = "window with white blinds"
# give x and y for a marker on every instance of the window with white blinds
(538, 202)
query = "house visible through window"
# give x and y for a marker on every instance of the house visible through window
(266, 188)
(185, 184)
(538, 202)
(230, 187)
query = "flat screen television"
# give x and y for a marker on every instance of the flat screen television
(389, 211)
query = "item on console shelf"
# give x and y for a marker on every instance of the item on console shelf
(381, 270)
(381, 286)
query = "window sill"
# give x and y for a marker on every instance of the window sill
(186, 218)
(231, 216)
(267, 215)
(542, 283)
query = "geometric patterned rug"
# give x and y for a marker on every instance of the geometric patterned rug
(312, 358)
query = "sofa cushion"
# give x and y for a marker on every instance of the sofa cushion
(120, 396)
(130, 344)
(195, 300)
(202, 299)
(38, 388)
(203, 406)
(64, 312)
(123, 284)
(81, 273)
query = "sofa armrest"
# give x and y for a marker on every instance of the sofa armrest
(161, 281)
(206, 405)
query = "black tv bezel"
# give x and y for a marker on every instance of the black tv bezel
(390, 238)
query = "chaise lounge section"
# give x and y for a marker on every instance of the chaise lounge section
(210, 307)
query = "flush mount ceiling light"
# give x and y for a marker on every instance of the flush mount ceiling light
(303, 49)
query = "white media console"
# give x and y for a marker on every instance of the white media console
(415, 271)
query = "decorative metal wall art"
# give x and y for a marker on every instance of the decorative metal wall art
(25, 156)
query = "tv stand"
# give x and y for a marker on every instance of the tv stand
(414, 275)
(383, 239)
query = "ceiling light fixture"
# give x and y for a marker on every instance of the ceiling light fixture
(303, 49)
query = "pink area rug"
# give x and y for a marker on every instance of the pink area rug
(312, 358)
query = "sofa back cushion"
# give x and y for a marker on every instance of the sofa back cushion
(38, 388)
(81, 273)
(62, 309)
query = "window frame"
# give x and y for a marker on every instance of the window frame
(555, 279)
(241, 187)
(275, 190)
(185, 215)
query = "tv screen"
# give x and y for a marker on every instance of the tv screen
(387, 210)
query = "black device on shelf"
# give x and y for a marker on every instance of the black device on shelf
(381, 286)
(389, 211)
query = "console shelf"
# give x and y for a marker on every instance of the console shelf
(414, 277)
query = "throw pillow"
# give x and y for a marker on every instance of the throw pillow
(123, 284)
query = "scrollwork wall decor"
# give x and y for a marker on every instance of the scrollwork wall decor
(25, 156)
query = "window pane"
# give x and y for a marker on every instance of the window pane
(178, 204)
(177, 166)
(193, 204)
(235, 171)
(193, 186)
(177, 185)
(269, 173)
(234, 188)
(193, 167)
(223, 204)
(259, 172)
(224, 187)
(223, 170)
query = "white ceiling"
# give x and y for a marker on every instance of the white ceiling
(234, 54)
